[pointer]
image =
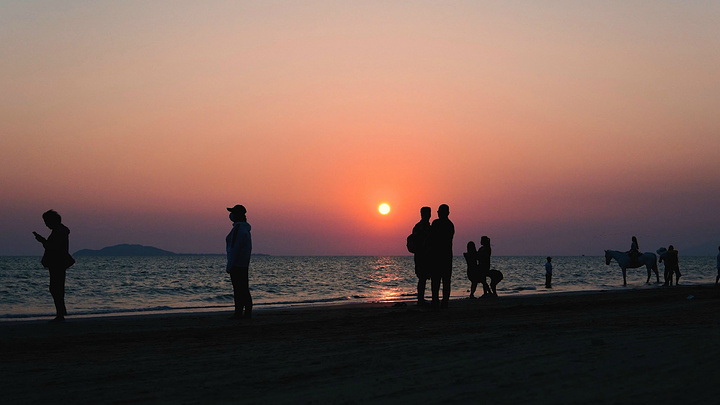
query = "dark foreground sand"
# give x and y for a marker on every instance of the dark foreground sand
(649, 345)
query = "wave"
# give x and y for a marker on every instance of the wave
(170, 309)
(106, 286)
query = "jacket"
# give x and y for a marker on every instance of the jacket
(238, 246)
(56, 246)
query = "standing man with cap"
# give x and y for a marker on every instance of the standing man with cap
(239, 246)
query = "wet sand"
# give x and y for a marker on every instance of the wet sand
(642, 345)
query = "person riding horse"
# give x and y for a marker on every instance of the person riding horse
(634, 251)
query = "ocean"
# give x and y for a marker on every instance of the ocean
(98, 286)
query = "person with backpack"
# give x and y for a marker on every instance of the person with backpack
(417, 244)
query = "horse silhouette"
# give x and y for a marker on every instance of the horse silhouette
(649, 260)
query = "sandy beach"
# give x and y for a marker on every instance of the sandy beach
(642, 345)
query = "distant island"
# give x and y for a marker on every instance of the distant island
(125, 250)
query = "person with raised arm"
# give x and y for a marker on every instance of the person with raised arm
(56, 259)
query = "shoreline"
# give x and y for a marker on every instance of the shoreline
(409, 299)
(262, 307)
(626, 346)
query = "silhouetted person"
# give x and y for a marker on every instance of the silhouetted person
(239, 247)
(422, 254)
(548, 272)
(673, 263)
(718, 268)
(496, 277)
(56, 259)
(442, 231)
(634, 252)
(483, 255)
(668, 273)
(473, 270)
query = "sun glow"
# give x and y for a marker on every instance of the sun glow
(384, 209)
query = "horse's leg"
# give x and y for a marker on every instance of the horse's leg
(624, 270)
(649, 273)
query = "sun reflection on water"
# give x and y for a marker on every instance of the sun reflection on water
(386, 277)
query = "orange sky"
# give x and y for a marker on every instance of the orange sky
(553, 127)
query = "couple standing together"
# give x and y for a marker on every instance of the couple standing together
(478, 262)
(432, 248)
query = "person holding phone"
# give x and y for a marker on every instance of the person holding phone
(56, 259)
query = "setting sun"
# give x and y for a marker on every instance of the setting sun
(384, 209)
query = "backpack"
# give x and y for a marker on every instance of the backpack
(413, 243)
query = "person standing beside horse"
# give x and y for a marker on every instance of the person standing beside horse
(672, 264)
(662, 258)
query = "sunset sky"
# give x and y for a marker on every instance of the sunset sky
(553, 127)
